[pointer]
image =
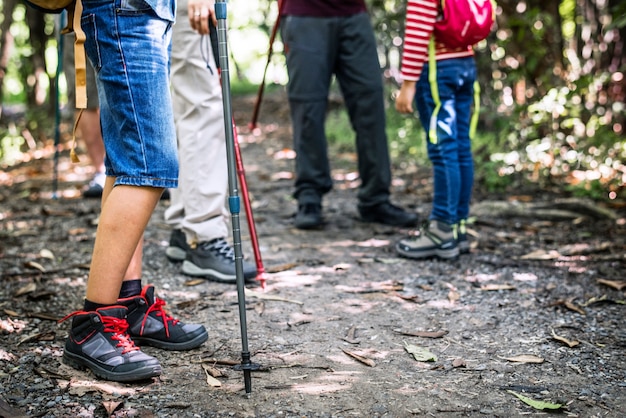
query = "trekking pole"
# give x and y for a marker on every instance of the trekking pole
(261, 275)
(57, 113)
(233, 200)
(270, 51)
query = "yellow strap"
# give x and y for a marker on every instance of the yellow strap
(474, 120)
(434, 90)
(80, 65)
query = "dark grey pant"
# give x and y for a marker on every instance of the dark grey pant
(316, 49)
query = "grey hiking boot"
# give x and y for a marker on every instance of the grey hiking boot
(215, 260)
(435, 239)
(178, 247)
(99, 341)
(463, 242)
(149, 324)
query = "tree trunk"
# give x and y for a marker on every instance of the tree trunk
(6, 43)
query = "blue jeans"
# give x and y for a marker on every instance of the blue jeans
(451, 155)
(128, 46)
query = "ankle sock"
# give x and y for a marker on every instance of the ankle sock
(90, 306)
(130, 288)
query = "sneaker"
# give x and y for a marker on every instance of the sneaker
(99, 341)
(215, 260)
(463, 242)
(388, 214)
(178, 247)
(95, 187)
(149, 324)
(435, 239)
(309, 216)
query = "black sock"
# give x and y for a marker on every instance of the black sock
(90, 306)
(130, 288)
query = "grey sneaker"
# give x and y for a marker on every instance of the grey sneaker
(215, 260)
(464, 245)
(99, 341)
(150, 324)
(178, 248)
(435, 239)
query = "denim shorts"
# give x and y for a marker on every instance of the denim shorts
(128, 46)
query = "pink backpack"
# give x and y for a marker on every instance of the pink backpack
(464, 22)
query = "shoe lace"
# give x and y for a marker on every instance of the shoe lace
(115, 326)
(157, 308)
(219, 247)
(118, 328)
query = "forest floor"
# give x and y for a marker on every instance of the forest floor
(530, 323)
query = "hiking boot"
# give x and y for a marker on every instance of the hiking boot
(435, 239)
(309, 216)
(215, 260)
(463, 242)
(388, 214)
(149, 324)
(99, 341)
(178, 247)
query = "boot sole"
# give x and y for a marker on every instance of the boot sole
(166, 345)
(141, 373)
(447, 254)
(191, 269)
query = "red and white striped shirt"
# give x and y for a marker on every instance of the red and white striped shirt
(420, 23)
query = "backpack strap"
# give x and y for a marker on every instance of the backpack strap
(80, 67)
(434, 91)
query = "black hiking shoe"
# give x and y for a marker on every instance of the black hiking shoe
(99, 341)
(461, 239)
(178, 247)
(149, 324)
(215, 260)
(388, 214)
(436, 239)
(309, 216)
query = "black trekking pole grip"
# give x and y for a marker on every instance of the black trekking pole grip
(233, 200)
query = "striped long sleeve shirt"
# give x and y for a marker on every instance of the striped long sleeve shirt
(420, 23)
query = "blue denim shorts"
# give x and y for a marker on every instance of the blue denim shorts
(128, 46)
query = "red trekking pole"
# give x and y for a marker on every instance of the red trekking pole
(257, 104)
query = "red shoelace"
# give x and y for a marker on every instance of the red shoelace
(157, 308)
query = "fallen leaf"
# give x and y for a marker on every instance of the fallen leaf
(281, 267)
(29, 288)
(10, 312)
(453, 296)
(364, 360)
(541, 255)
(525, 358)
(111, 406)
(419, 353)
(617, 285)
(45, 253)
(541, 405)
(35, 265)
(458, 362)
(211, 374)
(493, 286)
(423, 334)
(194, 282)
(570, 343)
(572, 307)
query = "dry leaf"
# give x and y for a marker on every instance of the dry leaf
(364, 360)
(11, 313)
(570, 305)
(617, 285)
(282, 267)
(44, 253)
(458, 362)
(541, 255)
(453, 296)
(570, 343)
(211, 381)
(111, 406)
(494, 286)
(525, 358)
(194, 282)
(29, 288)
(423, 334)
(35, 265)
(419, 353)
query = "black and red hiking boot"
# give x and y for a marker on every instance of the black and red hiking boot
(99, 341)
(150, 324)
